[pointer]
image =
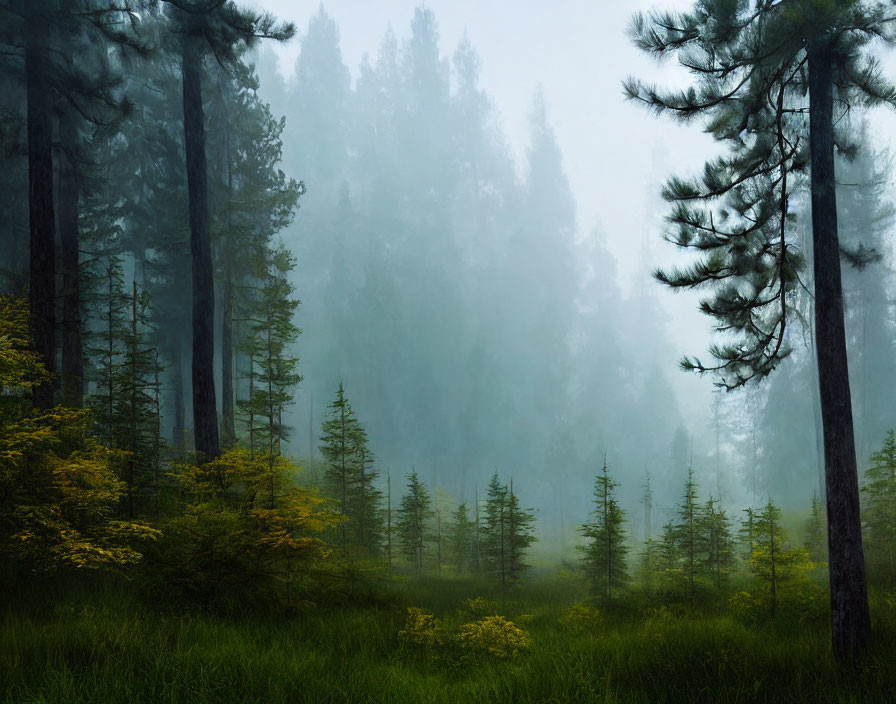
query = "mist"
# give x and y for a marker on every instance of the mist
(476, 251)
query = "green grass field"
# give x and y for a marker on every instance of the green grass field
(97, 643)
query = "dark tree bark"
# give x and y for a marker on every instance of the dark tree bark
(228, 422)
(72, 354)
(850, 622)
(205, 415)
(42, 226)
(177, 435)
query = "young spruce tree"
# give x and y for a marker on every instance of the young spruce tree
(880, 507)
(604, 553)
(414, 513)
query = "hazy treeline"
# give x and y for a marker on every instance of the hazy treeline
(476, 323)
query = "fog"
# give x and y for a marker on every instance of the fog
(474, 251)
(478, 274)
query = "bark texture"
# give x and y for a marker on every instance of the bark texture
(72, 354)
(42, 225)
(205, 415)
(850, 622)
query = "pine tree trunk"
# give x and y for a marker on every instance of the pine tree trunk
(42, 225)
(850, 622)
(205, 414)
(177, 436)
(228, 420)
(134, 352)
(72, 354)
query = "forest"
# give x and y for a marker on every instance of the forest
(339, 364)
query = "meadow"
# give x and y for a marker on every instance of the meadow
(100, 640)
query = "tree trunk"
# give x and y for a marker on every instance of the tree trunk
(42, 225)
(850, 622)
(72, 354)
(177, 436)
(228, 421)
(205, 413)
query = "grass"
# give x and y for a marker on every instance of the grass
(99, 643)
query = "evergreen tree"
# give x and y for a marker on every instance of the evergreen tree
(689, 536)
(339, 432)
(759, 67)
(41, 37)
(225, 31)
(718, 553)
(506, 534)
(273, 370)
(251, 201)
(773, 561)
(461, 537)
(816, 532)
(135, 405)
(647, 501)
(747, 531)
(125, 373)
(104, 347)
(604, 553)
(667, 549)
(880, 507)
(495, 531)
(648, 564)
(414, 514)
(520, 536)
(365, 499)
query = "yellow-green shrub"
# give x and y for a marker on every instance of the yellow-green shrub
(421, 629)
(581, 617)
(494, 636)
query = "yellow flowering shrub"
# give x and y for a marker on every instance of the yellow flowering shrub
(494, 636)
(581, 617)
(421, 630)
(479, 607)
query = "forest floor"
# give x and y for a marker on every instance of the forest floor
(100, 643)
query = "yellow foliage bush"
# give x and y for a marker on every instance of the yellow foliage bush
(479, 607)
(421, 629)
(247, 532)
(581, 617)
(494, 636)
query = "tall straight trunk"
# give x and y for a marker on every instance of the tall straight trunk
(72, 353)
(41, 216)
(850, 621)
(205, 413)
(157, 440)
(179, 407)
(228, 419)
(134, 351)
